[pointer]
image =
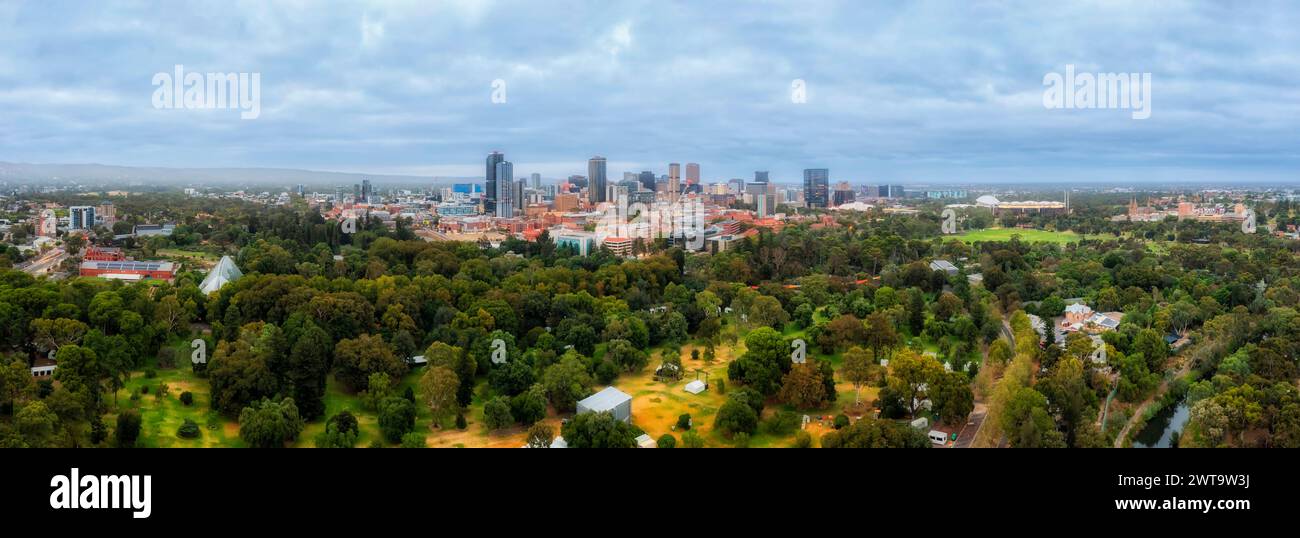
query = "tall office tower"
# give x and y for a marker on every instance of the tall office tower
(648, 180)
(367, 191)
(692, 173)
(816, 184)
(674, 181)
(537, 181)
(504, 189)
(843, 194)
(598, 186)
(490, 185)
(517, 199)
(760, 176)
(356, 193)
(82, 217)
(763, 195)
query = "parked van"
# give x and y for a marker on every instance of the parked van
(937, 437)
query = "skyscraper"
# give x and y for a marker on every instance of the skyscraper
(81, 217)
(674, 181)
(367, 191)
(597, 185)
(490, 186)
(517, 200)
(760, 176)
(692, 173)
(816, 186)
(648, 180)
(537, 181)
(503, 188)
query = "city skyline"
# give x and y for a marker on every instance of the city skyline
(912, 93)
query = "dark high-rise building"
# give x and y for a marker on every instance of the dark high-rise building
(843, 194)
(891, 191)
(597, 183)
(490, 186)
(816, 187)
(760, 176)
(648, 180)
(503, 180)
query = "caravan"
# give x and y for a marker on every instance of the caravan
(937, 437)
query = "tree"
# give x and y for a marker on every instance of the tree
(859, 368)
(1027, 422)
(803, 387)
(240, 372)
(735, 416)
(951, 397)
(626, 356)
(529, 406)
(767, 312)
(598, 430)
(36, 422)
(909, 374)
(396, 418)
(566, 382)
(869, 432)
(341, 431)
(269, 424)
(540, 435)
(355, 359)
(666, 441)
(52, 334)
(766, 359)
(438, 388)
(308, 367)
(881, 335)
(378, 389)
(496, 413)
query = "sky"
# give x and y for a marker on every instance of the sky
(906, 92)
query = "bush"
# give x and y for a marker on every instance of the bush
(396, 418)
(128, 429)
(692, 440)
(144, 389)
(841, 421)
(666, 441)
(413, 440)
(496, 413)
(684, 422)
(187, 398)
(167, 357)
(741, 440)
(189, 430)
(460, 422)
(802, 439)
(782, 423)
(150, 373)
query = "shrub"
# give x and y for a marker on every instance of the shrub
(413, 440)
(150, 373)
(841, 421)
(128, 429)
(684, 422)
(691, 439)
(189, 430)
(666, 441)
(460, 422)
(741, 440)
(802, 439)
(187, 398)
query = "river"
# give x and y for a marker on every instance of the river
(1160, 430)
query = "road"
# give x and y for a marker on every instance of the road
(46, 263)
(966, 437)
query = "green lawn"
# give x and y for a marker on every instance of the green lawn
(1032, 236)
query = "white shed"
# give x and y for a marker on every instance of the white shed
(696, 387)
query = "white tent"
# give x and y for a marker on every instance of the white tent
(225, 271)
(695, 387)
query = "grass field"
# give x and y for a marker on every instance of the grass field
(1031, 236)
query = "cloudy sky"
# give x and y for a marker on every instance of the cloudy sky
(896, 91)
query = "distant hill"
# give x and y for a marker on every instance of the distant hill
(17, 173)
